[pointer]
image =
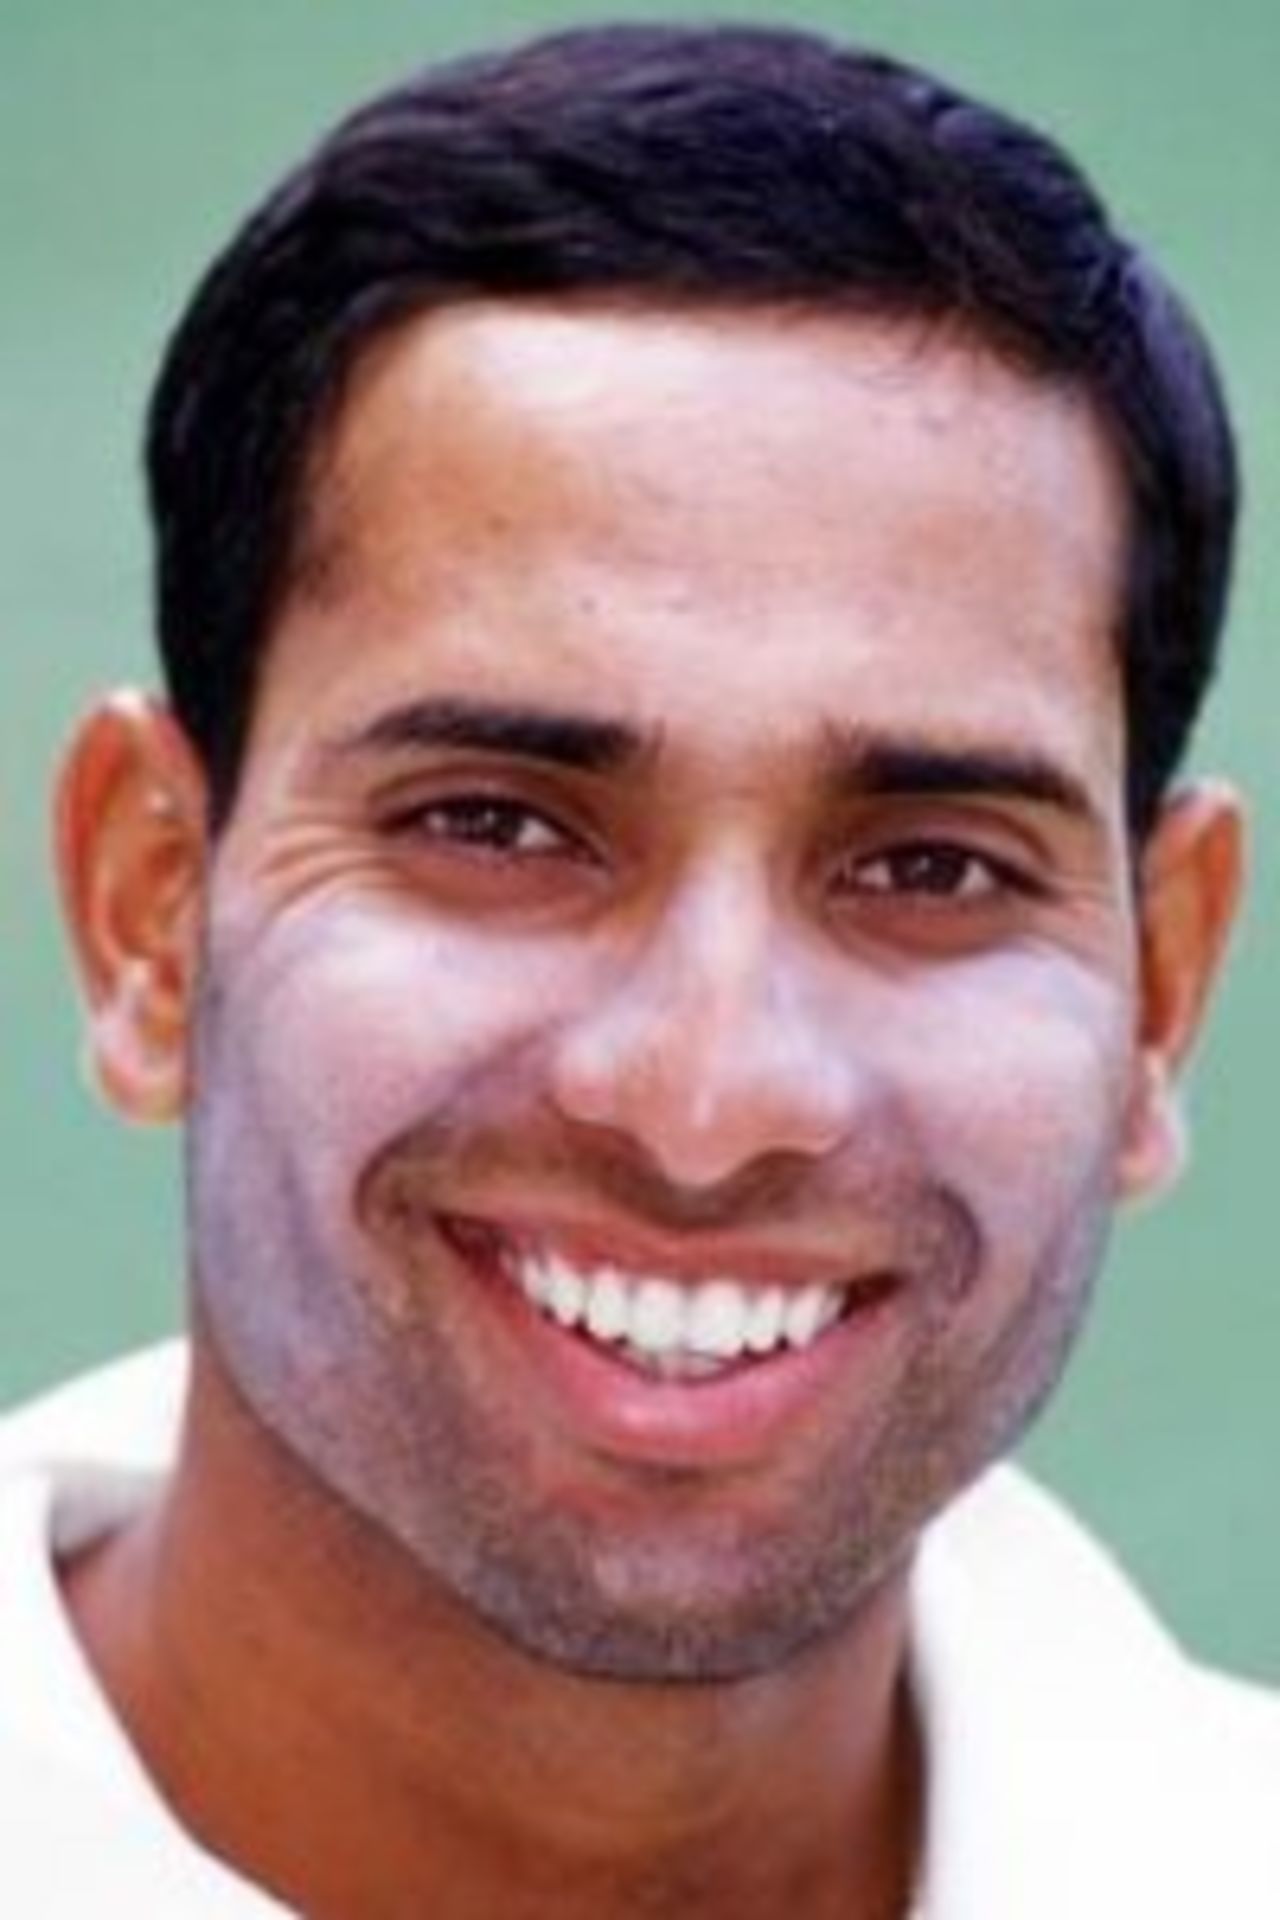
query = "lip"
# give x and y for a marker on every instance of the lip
(607, 1410)
(688, 1259)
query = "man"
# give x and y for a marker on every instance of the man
(687, 564)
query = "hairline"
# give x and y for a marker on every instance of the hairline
(313, 551)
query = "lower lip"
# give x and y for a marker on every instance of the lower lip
(609, 1407)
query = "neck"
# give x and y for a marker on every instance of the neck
(326, 1719)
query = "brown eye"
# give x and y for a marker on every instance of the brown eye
(942, 870)
(486, 823)
(936, 870)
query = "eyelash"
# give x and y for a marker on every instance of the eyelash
(489, 826)
(487, 822)
(948, 860)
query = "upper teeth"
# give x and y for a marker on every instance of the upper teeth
(715, 1320)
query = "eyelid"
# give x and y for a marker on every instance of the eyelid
(458, 802)
(409, 814)
(1006, 874)
(993, 830)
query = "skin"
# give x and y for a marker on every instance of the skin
(837, 957)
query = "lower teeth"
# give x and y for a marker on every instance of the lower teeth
(674, 1366)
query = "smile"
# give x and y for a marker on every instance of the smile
(678, 1352)
(679, 1330)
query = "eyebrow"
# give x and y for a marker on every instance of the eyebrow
(866, 766)
(860, 764)
(579, 741)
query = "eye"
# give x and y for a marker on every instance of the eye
(936, 870)
(487, 823)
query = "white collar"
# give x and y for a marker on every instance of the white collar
(1077, 1764)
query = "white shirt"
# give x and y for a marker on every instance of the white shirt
(1078, 1767)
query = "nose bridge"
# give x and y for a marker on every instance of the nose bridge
(709, 1047)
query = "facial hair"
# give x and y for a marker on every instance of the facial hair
(359, 1366)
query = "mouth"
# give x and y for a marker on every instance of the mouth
(701, 1354)
(673, 1328)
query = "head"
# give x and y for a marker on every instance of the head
(677, 169)
(687, 563)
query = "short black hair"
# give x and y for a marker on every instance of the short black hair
(676, 166)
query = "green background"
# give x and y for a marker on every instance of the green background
(132, 134)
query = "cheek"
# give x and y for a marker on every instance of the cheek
(348, 1034)
(1017, 1072)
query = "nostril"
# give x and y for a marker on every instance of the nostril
(709, 1052)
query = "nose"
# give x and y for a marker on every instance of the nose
(714, 1043)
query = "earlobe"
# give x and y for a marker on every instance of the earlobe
(130, 843)
(1156, 1143)
(1189, 889)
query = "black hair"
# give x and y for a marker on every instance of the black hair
(699, 166)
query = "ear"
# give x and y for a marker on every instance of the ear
(1190, 881)
(130, 845)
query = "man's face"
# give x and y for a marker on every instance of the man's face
(668, 1013)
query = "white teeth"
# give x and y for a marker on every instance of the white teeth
(764, 1323)
(566, 1291)
(535, 1278)
(716, 1320)
(802, 1316)
(656, 1320)
(833, 1305)
(608, 1306)
(676, 1330)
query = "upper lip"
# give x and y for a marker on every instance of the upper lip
(688, 1258)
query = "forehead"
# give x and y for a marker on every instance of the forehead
(826, 519)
